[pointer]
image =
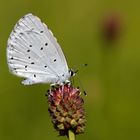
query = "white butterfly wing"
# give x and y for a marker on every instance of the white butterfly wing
(34, 53)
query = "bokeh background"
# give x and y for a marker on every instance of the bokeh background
(104, 34)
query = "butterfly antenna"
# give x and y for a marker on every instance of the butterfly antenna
(72, 80)
(81, 85)
(75, 67)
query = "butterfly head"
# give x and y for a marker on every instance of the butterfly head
(71, 72)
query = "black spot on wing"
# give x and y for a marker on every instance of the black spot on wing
(14, 31)
(54, 60)
(32, 63)
(29, 57)
(46, 44)
(21, 33)
(28, 50)
(41, 31)
(34, 75)
(41, 48)
(30, 45)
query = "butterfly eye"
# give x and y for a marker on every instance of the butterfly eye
(72, 73)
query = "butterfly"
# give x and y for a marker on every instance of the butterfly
(33, 53)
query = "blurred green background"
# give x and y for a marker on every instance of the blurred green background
(111, 80)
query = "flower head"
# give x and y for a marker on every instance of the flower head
(111, 27)
(66, 109)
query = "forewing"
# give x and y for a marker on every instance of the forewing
(34, 53)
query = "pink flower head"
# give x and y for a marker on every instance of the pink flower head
(66, 109)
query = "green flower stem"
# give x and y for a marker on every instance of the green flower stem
(71, 135)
